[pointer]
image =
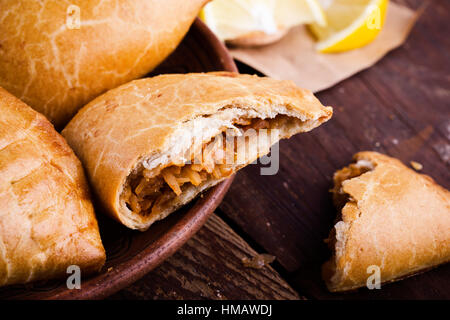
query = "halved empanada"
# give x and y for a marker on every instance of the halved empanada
(47, 221)
(139, 142)
(391, 217)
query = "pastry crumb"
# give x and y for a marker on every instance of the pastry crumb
(109, 269)
(218, 294)
(258, 261)
(416, 165)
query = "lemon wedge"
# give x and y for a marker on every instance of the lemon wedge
(351, 24)
(231, 19)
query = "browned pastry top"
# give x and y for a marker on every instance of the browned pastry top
(47, 220)
(392, 217)
(57, 63)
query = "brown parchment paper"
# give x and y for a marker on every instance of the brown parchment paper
(295, 58)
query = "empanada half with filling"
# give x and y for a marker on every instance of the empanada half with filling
(141, 142)
(47, 221)
(392, 219)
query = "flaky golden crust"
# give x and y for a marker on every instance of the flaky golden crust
(56, 67)
(47, 220)
(114, 131)
(394, 218)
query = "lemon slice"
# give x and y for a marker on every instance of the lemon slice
(351, 24)
(231, 19)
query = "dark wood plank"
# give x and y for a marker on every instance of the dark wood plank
(209, 266)
(399, 107)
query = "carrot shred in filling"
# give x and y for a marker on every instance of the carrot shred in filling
(146, 194)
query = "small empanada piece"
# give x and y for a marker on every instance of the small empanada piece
(391, 217)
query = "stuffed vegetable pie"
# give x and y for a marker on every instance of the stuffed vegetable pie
(153, 144)
(390, 217)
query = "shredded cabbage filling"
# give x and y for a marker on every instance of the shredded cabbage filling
(146, 194)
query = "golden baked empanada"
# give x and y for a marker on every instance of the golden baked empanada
(58, 55)
(47, 222)
(391, 217)
(139, 142)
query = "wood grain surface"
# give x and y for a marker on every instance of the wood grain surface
(209, 266)
(399, 107)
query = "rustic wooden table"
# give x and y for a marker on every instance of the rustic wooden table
(399, 107)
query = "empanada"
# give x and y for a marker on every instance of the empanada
(136, 141)
(58, 55)
(391, 218)
(47, 222)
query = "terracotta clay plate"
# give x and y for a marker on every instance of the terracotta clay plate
(132, 254)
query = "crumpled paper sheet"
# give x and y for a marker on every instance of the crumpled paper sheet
(295, 58)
